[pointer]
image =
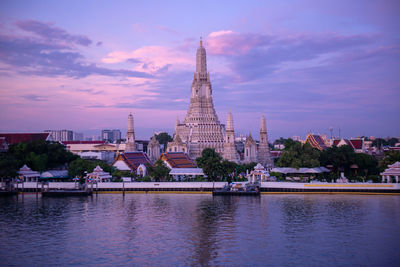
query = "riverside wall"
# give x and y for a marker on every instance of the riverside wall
(266, 187)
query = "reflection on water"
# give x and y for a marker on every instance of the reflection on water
(200, 230)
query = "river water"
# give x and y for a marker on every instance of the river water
(200, 230)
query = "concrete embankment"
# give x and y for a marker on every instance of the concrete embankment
(207, 187)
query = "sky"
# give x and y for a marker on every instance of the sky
(306, 65)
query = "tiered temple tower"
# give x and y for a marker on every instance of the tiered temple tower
(130, 136)
(230, 152)
(201, 128)
(250, 150)
(263, 154)
(153, 149)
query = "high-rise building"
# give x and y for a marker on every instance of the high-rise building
(60, 135)
(111, 135)
(78, 136)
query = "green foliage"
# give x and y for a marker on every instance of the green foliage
(38, 155)
(118, 174)
(341, 158)
(242, 168)
(297, 155)
(163, 139)
(159, 172)
(144, 179)
(389, 158)
(41, 155)
(278, 175)
(228, 169)
(78, 167)
(367, 164)
(8, 166)
(380, 142)
(215, 168)
(210, 162)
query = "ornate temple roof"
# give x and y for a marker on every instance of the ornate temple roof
(13, 138)
(316, 141)
(177, 160)
(133, 159)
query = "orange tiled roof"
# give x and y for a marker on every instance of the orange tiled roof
(134, 159)
(178, 160)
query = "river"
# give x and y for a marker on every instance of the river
(200, 230)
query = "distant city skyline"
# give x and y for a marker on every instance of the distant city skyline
(306, 65)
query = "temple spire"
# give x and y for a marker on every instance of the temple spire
(263, 124)
(201, 59)
(130, 136)
(229, 121)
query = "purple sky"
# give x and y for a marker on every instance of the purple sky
(306, 65)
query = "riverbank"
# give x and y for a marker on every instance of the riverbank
(208, 187)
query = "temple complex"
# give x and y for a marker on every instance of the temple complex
(201, 127)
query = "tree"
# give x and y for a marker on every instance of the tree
(210, 162)
(8, 166)
(78, 167)
(297, 155)
(366, 164)
(389, 158)
(341, 158)
(159, 172)
(163, 139)
(379, 142)
(228, 170)
(41, 155)
(392, 141)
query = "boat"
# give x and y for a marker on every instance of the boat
(66, 192)
(236, 189)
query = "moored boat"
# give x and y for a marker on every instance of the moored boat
(250, 189)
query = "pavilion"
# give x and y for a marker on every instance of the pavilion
(27, 175)
(392, 170)
(98, 175)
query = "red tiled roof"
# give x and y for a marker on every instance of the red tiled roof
(356, 143)
(13, 138)
(178, 160)
(276, 153)
(83, 142)
(134, 159)
(336, 142)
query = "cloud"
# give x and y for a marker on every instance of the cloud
(57, 57)
(50, 33)
(253, 56)
(35, 98)
(91, 91)
(167, 29)
(154, 59)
